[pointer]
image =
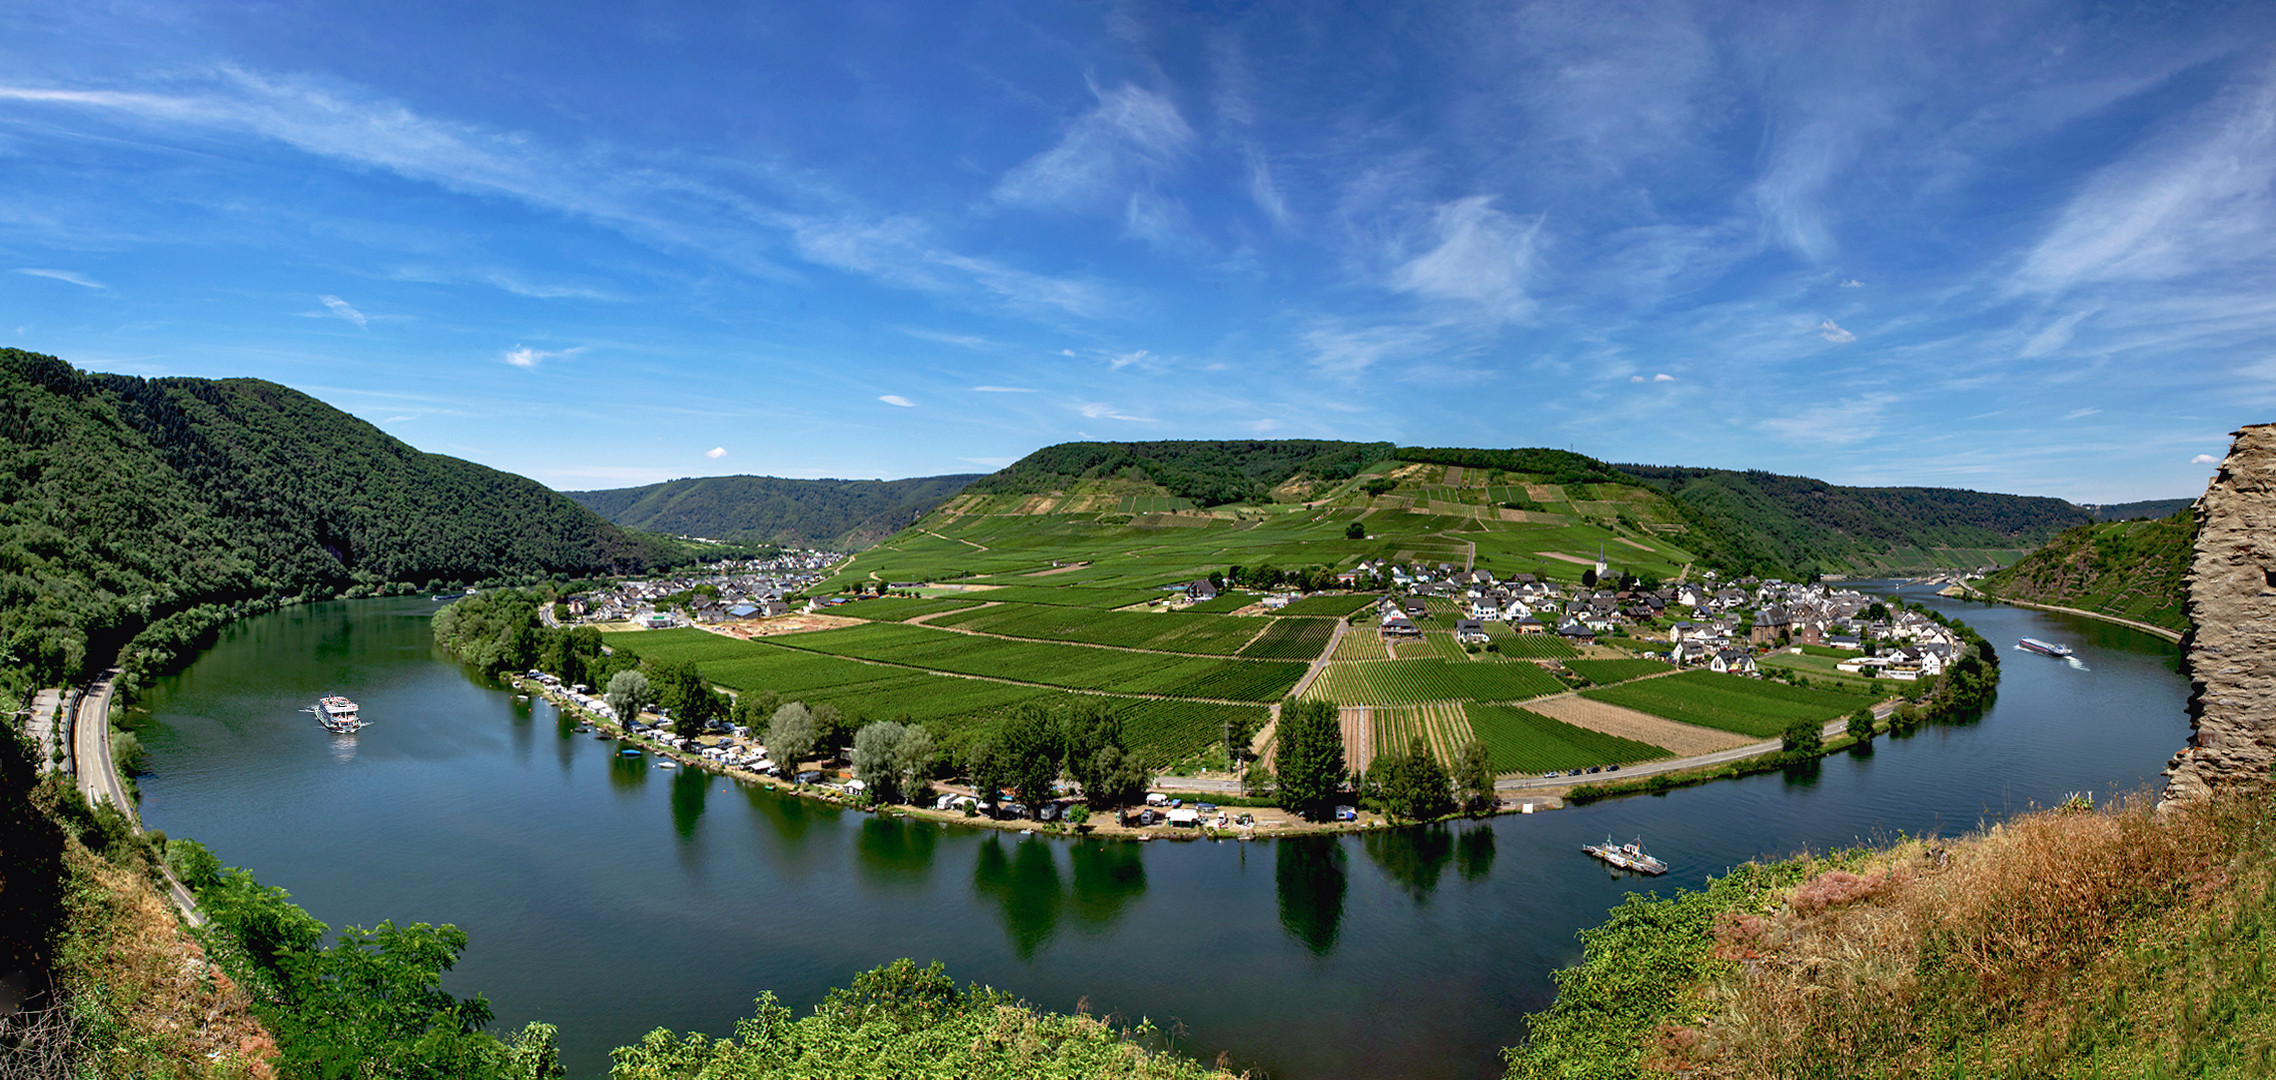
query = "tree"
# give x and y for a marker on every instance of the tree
(1027, 754)
(628, 693)
(1473, 776)
(790, 734)
(1309, 758)
(889, 755)
(1090, 734)
(754, 708)
(1413, 784)
(832, 729)
(1355, 531)
(1588, 578)
(1861, 724)
(1805, 736)
(683, 690)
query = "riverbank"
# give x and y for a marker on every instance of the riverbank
(1969, 592)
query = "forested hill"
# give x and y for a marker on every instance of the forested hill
(832, 514)
(2130, 569)
(1754, 520)
(148, 506)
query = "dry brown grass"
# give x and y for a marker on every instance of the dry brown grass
(173, 1013)
(2003, 942)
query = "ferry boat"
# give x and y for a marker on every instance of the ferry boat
(1628, 856)
(338, 715)
(2044, 648)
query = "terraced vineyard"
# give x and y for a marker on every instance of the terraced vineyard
(1606, 672)
(1169, 631)
(1073, 666)
(1420, 682)
(1728, 702)
(1520, 741)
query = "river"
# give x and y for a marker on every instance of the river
(610, 897)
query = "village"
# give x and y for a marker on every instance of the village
(731, 590)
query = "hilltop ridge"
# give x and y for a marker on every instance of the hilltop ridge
(830, 514)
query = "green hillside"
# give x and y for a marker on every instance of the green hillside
(831, 514)
(2130, 569)
(1764, 522)
(147, 506)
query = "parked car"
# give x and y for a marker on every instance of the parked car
(1206, 808)
(1146, 816)
(1347, 813)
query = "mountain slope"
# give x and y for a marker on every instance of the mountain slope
(2130, 569)
(1761, 521)
(128, 503)
(772, 510)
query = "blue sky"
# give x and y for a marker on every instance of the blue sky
(2014, 247)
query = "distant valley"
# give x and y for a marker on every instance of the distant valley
(830, 514)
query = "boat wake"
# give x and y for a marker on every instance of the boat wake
(2076, 664)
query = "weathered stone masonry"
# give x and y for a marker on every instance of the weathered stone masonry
(2230, 651)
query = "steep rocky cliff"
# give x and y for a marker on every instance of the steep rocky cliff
(2231, 650)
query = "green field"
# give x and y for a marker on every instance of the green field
(1073, 666)
(1519, 741)
(1166, 631)
(1607, 672)
(897, 608)
(1292, 639)
(1420, 682)
(1755, 707)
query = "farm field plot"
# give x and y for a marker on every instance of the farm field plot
(1523, 741)
(1442, 727)
(1535, 647)
(897, 608)
(673, 646)
(1292, 639)
(1165, 732)
(1055, 664)
(1361, 643)
(1078, 596)
(1420, 682)
(1727, 702)
(1335, 606)
(1607, 672)
(1207, 635)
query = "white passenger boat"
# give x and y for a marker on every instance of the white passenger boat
(2044, 648)
(338, 715)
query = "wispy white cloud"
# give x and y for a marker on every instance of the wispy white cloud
(1832, 331)
(80, 280)
(896, 399)
(715, 453)
(1132, 136)
(1851, 283)
(1003, 389)
(1348, 351)
(2056, 334)
(962, 341)
(2192, 199)
(1837, 424)
(398, 419)
(1662, 377)
(1479, 256)
(2079, 414)
(1097, 410)
(526, 358)
(344, 310)
(1123, 360)
(2204, 459)
(990, 462)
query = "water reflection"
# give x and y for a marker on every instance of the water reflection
(1308, 873)
(895, 851)
(628, 772)
(1025, 887)
(1414, 859)
(1474, 853)
(343, 748)
(1107, 877)
(689, 786)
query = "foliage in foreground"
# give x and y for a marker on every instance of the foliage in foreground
(906, 1022)
(2064, 943)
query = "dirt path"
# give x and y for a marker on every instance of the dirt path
(960, 540)
(2149, 628)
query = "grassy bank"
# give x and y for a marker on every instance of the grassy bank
(2071, 942)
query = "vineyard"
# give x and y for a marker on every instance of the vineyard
(1292, 639)
(1207, 635)
(1535, 647)
(1082, 596)
(1074, 666)
(1728, 702)
(1442, 727)
(1227, 601)
(1421, 682)
(1330, 606)
(1519, 741)
(897, 608)
(1607, 672)
(1361, 644)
